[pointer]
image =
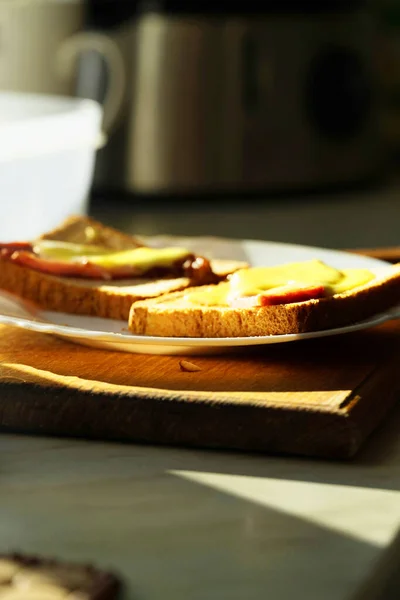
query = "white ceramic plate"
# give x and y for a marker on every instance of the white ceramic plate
(113, 335)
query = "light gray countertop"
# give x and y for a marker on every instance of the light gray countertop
(191, 525)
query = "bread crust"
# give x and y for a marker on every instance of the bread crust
(85, 230)
(169, 317)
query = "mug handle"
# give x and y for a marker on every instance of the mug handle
(68, 54)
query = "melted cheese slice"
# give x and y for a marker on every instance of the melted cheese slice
(254, 281)
(143, 258)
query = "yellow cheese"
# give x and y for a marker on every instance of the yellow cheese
(216, 295)
(143, 258)
(249, 282)
(67, 251)
(254, 281)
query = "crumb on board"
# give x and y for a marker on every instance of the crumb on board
(185, 365)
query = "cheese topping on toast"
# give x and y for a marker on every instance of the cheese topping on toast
(291, 282)
(92, 262)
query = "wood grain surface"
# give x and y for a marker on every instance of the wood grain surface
(319, 397)
(390, 254)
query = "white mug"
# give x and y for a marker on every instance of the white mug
(40, 42)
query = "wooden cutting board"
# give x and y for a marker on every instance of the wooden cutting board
(319, 397)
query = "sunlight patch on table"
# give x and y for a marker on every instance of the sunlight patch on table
(364, 513)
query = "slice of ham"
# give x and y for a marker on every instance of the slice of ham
(280, 295)
(197, 268)
(85, 269)
(290, 294)
(12, 246)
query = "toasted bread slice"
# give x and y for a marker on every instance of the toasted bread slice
(108, 299)
(84, 230)
(174, 316)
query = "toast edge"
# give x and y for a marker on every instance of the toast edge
(150, 317)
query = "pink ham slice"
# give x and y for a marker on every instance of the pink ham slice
(22, 254)
(28, 259)
(290, 295)
(11, 246)
(281, 295)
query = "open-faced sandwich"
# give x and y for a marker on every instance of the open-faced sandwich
(84, 267)
(285, 299)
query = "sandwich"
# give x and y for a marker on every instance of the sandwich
(285, 299)
(84, 267)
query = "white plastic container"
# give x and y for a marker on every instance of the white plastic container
(47, 153)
